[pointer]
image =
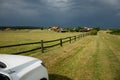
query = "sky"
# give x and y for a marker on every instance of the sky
(64, 13)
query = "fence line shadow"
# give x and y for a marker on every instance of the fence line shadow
(17, 53)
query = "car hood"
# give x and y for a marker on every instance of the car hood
(16, 61)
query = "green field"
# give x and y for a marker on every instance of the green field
(89, 58)
(27, 36)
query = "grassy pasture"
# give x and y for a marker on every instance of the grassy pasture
(90, 58)
(27, 36)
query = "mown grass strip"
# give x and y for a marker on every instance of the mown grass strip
(114, 61)
(97, 63)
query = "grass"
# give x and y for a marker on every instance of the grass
(90, 58)
(26, 36)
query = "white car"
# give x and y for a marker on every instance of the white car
(16, 67)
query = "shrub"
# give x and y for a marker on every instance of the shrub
(94, 32)
(116, 32)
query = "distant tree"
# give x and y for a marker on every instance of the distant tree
(77, 29)
(94, 31)
(69, 29)
(115, 31)
(42, 28)
(96, 28)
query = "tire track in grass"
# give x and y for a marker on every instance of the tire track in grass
(114, 61)
(114, 44)
(67, 58)
(68, 64)
(94, 68)
(59, 54)
(105, 70)
(68, 52)
(84, 69)
(97, 63)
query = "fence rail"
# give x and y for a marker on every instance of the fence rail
(43, 46)
(19, 44)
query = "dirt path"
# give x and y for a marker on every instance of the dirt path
(90, 58)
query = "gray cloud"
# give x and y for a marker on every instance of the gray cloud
(61, 12)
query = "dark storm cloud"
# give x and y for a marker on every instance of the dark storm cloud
(60, 12)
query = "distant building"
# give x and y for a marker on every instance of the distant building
(56, 28)
(86, 29)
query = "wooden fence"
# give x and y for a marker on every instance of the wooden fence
(42, 43)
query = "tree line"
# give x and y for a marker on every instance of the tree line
(67, 29)
(20, 27)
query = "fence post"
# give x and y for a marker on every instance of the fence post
(75, 38)
(42, 46)
(70, 39)
(78, 36)
(61, 42)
